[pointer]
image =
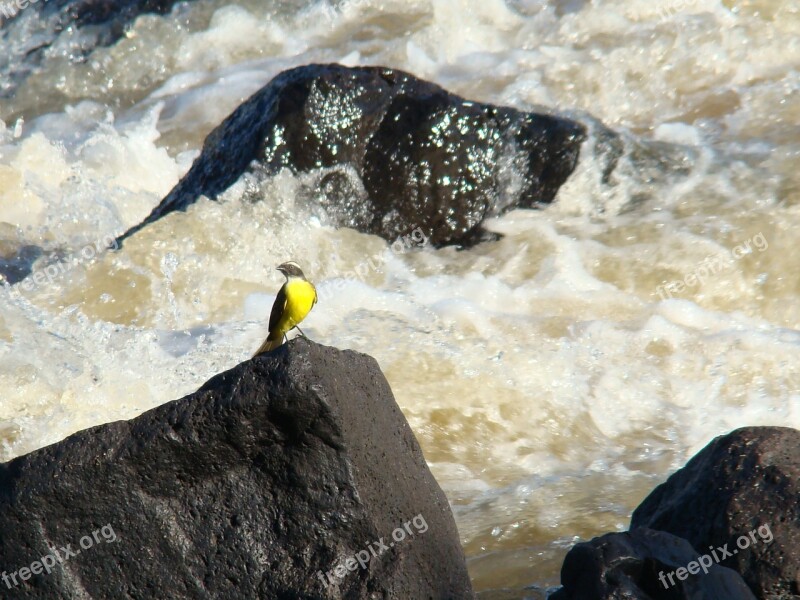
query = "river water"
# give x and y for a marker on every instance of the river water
(550, 377)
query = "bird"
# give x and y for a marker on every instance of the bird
(295, 300)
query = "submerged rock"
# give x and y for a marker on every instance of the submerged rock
(293, 475)
(16, 262)
(392, 152)
(642, 565)
(738, 498)
(30, 29)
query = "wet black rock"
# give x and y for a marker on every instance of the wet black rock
(421, 157)
(271, 481)
(739, 498)
(643, 565)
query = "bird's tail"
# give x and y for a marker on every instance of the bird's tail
(273, 341)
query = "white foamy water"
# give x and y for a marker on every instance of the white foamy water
(550, 382)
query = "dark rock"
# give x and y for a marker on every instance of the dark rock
(747, 481)
(269, 476)
(636, 565)
(27, 34)
(16, 263)
(424, 157)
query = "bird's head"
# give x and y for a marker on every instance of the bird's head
(291, 269)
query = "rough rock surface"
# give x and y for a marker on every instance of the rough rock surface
(740, 482)
(255, 486)
(630, 565)
(392, 152)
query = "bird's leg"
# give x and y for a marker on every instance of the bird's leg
(301, 331)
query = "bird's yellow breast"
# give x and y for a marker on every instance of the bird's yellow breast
(300, 297)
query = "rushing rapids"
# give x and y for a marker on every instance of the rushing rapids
(549, 381)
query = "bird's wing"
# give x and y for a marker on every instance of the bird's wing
(277, 308)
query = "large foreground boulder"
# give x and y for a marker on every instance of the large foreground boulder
(739, 497)
(291, 476)
(392, 152)
(644, 565)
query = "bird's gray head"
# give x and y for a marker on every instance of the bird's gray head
(291, 269)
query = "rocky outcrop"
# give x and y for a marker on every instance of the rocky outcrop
(739, 498)
(725, 526)
(391, 152)
(29, 28)
(293, 475)
(644, 565)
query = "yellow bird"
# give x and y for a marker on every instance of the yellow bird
(295, 300)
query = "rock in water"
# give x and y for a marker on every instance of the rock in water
(422, 156)
(641, 565)
(740, 493)
(30, 28)
(271, 481)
